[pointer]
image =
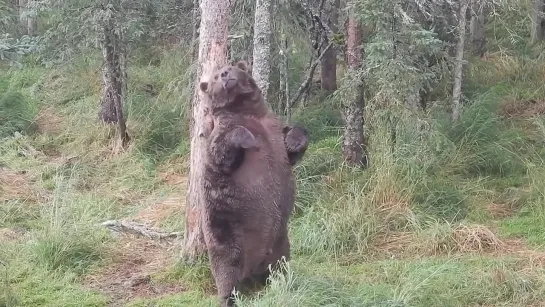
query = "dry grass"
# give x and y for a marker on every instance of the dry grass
(475, 238)
(49, 121)
(17, 185)
(9, 234)
(523, 109)
(458, 239)
(159, 212)
(501, 210)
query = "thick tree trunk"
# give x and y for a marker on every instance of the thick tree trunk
(261, 67)
(476, 28)
(212, 55)
(538, 22)
(113, 78)
(353, 144)
(328, 70)
(459, 62)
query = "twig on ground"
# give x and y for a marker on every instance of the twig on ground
(144, 230)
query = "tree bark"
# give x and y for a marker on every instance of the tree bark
(538, 22)
(353, 144)
(261, 67)
(459, 62)
(476, 28)
(31, 20)
(113, 77)
(328, 70)
(284, 97)
(212, 55)
(196, 21)
(23, 21)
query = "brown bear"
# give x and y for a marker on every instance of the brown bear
(249, 189)
(245, 98)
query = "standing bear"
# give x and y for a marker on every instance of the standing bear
(249, 189)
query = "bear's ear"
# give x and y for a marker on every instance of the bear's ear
(243, 65)
(203, 86)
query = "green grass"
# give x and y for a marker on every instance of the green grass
(405, 232)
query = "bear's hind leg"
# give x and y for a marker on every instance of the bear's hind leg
(226, 265)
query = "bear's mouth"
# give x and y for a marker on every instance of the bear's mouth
(229, 84)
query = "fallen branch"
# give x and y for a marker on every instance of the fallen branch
(310, 75)
(140, 229)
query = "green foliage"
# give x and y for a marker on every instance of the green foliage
(16, 114)
(404, 57)
(11, 49)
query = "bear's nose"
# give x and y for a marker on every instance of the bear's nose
(224, 74)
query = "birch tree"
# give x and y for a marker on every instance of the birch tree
(459, 61)
(476, 27)
(213, 32)
(538, 24)
(262, 45)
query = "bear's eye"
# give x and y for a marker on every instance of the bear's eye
(216, 77)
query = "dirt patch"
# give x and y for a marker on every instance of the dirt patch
(174, 204)
(523, 108)
(129, 273)
(501, 210)
(48, 121)
(174, 179)
(16, 185)
(159, 212)
(136, 259)
(10, 234)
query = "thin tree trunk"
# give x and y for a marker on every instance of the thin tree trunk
(284, 99)
(195, 35)
(262, 45)
(328, 70)
(113, 77)
(538, 23)
(353, 144)
(23, 21)
(31, 20)
(476, 28)
(459, 62)
(212, 55)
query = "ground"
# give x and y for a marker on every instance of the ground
(453, 216)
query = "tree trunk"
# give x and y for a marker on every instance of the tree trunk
(23, 21)
(538, 23)
(353, 144)
(113, 77)
(476, 28)
(195, 35)
(329, 62)
(459, 62)
(212, 55)
(31, 20)
(284, 92)
(261, 67)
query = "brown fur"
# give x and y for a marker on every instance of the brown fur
(249, 190)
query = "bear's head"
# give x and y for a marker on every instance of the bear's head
(232, 88)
